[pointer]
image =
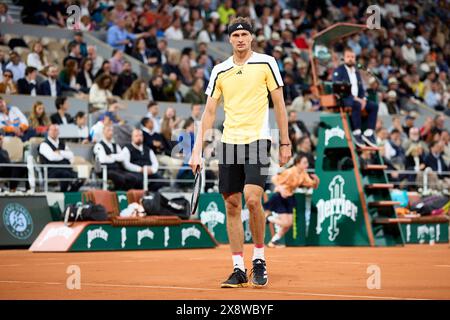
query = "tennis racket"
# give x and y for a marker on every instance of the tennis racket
(196, 190)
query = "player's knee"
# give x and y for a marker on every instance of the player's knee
(253, 203)
(233, 205)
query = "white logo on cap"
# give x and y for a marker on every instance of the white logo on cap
(239, 26)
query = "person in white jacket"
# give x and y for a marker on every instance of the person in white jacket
(55, 153)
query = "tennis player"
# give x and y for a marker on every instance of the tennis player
(244, 81)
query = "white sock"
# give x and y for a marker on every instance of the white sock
(276, 237)
(238, 261)
(357, 132)
(258, 253)
(368, 132)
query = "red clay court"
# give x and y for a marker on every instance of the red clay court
(410, 272)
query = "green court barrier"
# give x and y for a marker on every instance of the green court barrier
(425, 232)
(213, 215)
(102, 236)
(22, 218)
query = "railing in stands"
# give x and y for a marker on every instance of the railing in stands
(44, 181)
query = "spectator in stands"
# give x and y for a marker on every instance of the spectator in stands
(433, 98)
(11, 173)
(39, 120)
(173, 61)
(174, 32)
(68, 77)
(392, 103)
(83, 130)
(13, 122)
(304, 145)
(61, 116)
(3, 58)
(348, 73)
(84, 77)
(170, 122)
(186, 143)
(157, 88)
(78, 39)
(296, 127)
(445, 139)
(104, 120)
(16, 66)
(52, 86)
(290, 91)
(137, 158)
(153, 114)
(394, 150)
(196, 94)
(100, 92)
(124, 80)
(152, 139)
(415, 161)
(207, 34)
(225, 11)
(37, 58)
(97, 60)
(137, 91)
(187, 62)
(119, 38)
(409, 123)
(45, 13)
(5, 17)
(414, 139)
(409, 52)
(142, 53)
(110, 154)
(196, 114)
(116, 62)
(74, 54)
(435, 161)
(7, 85)
(28, 84)
(52, 151)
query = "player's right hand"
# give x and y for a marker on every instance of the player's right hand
(195, 162)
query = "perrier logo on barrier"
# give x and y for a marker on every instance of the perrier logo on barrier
(334, 208)
(212, 216)
(17, 220)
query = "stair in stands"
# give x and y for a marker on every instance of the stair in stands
(370, 167)
(376, 186)
(384, 203)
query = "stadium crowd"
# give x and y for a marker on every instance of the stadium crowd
(408, 62)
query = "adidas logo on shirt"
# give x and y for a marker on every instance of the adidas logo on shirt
(239, 72)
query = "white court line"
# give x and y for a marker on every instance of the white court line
(329, 295)
(74, 262)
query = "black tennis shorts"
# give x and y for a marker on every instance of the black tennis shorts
(279, 204)
(241, 164)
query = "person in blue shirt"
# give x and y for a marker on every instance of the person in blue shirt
(119, 38)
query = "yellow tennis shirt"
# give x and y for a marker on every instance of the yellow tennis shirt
(245, 93)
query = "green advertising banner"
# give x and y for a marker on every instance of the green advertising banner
(425, 232)
(104, 237)
(22, 219)
(213, 215)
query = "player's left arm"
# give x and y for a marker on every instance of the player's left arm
(282, 122)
